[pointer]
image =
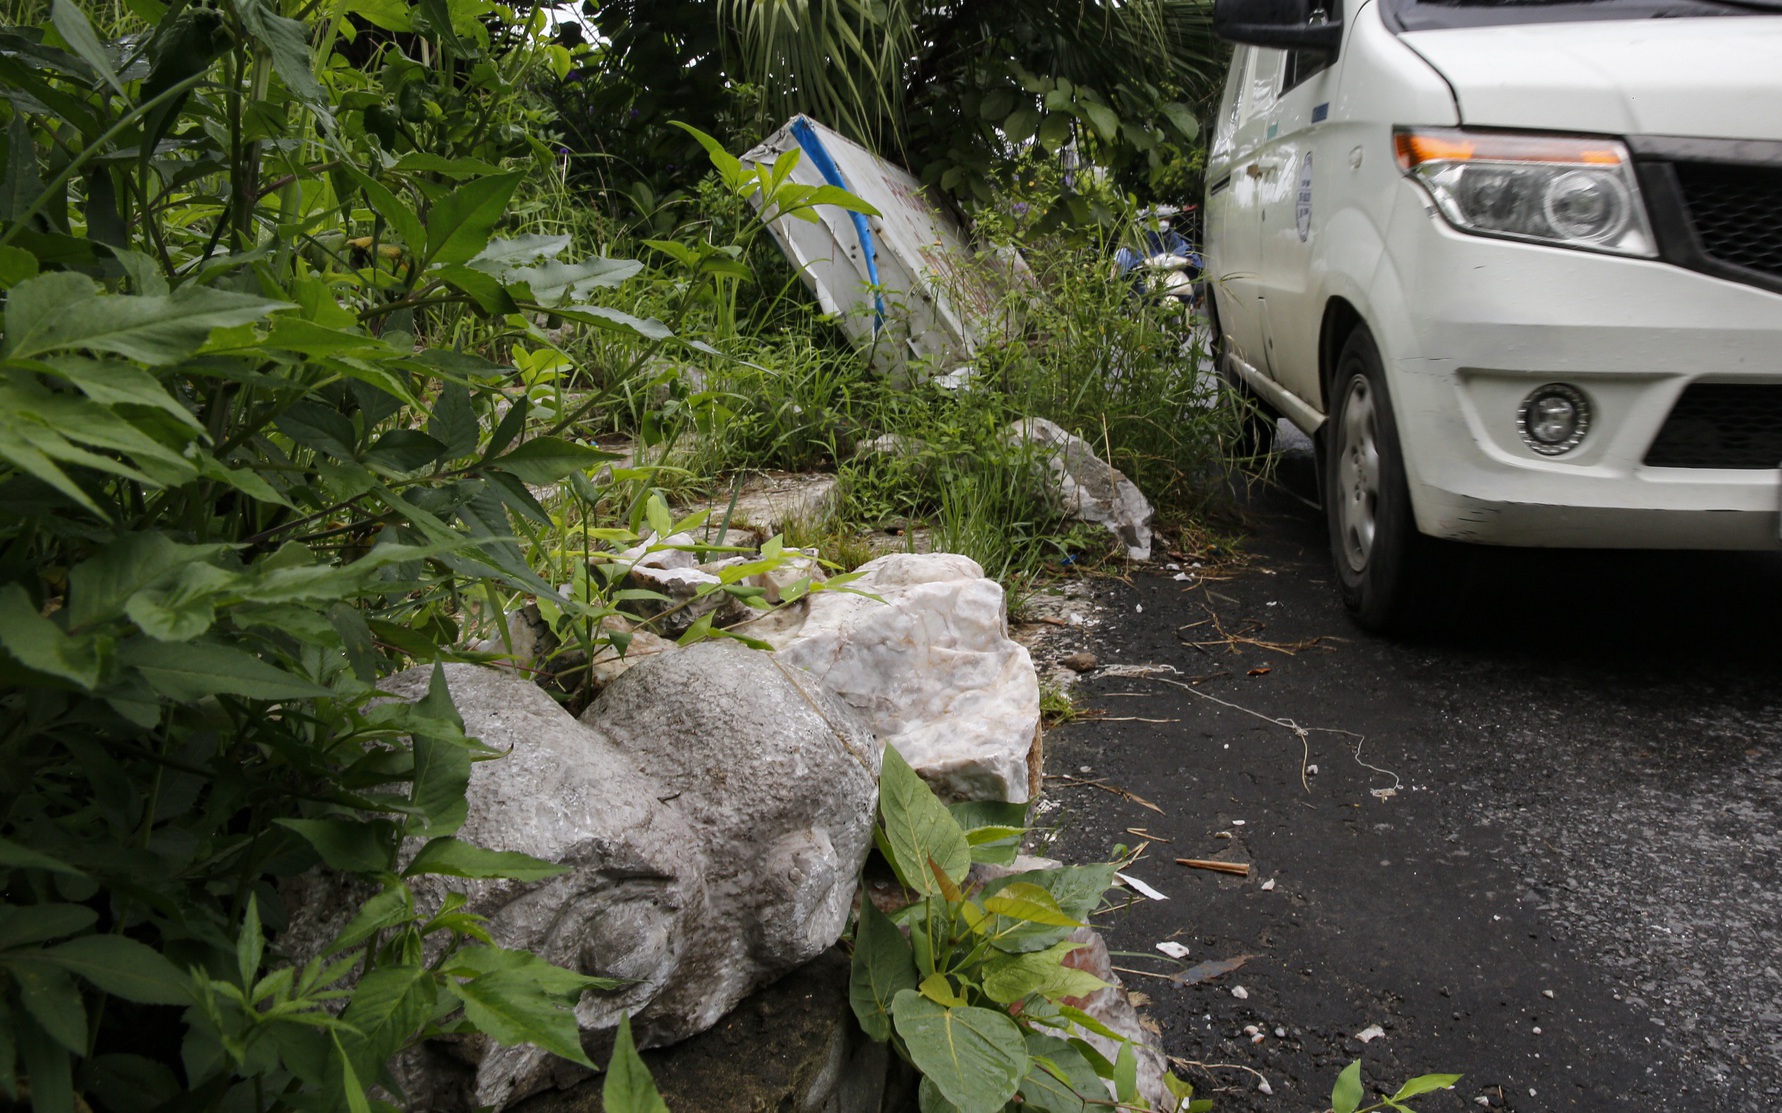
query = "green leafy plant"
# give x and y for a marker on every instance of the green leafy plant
(978, 995)
(262, 443)
(1347, 1095)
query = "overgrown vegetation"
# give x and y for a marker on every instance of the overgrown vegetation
(309, 348)
(972, 984)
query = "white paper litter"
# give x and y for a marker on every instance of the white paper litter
(1173, 949)
(1140, 887)
(1269, 885)
(1371, 1033)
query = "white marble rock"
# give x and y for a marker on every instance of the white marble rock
(1088, 487)
(930, 666)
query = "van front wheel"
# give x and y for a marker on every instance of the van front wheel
(1387, 572)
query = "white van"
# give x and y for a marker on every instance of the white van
(1517, 267)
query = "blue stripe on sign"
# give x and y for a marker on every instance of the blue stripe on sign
(825, 164)
(1321, 112)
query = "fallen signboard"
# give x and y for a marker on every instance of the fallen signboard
(907, 283)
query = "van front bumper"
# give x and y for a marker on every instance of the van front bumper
(1492, 320)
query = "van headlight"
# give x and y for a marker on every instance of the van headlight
(1572, 191)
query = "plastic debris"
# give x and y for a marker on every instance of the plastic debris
(1140, 887)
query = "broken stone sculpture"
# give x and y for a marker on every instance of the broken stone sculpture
(930, 666)
(1088, 487)
(715, 807)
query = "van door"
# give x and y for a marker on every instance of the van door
(1236, 198)
(1293, 163)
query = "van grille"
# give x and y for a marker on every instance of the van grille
(1722, 425)
(1736, 211)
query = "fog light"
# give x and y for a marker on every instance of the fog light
(1553, 419)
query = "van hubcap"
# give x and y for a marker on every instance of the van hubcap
(1358, 474)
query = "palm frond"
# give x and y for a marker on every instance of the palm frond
(841, 61)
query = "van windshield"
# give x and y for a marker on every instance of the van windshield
(1434, 15)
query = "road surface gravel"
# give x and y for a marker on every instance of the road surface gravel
(1554, 866)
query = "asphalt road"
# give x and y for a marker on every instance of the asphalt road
(1555, 866)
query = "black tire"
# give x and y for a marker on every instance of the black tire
(1391, 576)
(1257, 421)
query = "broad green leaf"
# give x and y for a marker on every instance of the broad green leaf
(320, 427)
(39, 644)
(629, 1087)
(614, 321)
(723, 161)
(504, 254)
(929, 1099)
(442, 774)
(348, 845)
(1089, 1023)
(484, 289)
(1126, 1074)
(52, 999)
(311, 338)
(396, 212)
(552, 282)
(14, 856)
(124, 968)
(841, 199)
(458, 225)
(388, 1005)
(350, 1087)
(250, 944)
(1054, 131)
(287, 41)
(1060, 1077)
(972, 815)
(1183, 119)
(1077, 889)
(63, 311)
(192, 670)
(554, 981)
(937, 987)
(660, 520)
(545, 460)
(72, 24)
(975, 1057)
(512, 1007)
(116, 383)
(883, 967)
(181, 607)
(1009, 978)
(454, 858)
(392, 906)
(918, 829)
(1023, 900)
(1425, 1083)
(33, 923)
(391, 15)
(425, 162)
(405, 450)
(1345, 1096)
(453, 421)
(1020, 123)
(47, 1063)
(16, 265)
(1104, 119)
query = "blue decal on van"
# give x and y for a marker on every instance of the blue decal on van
(1321, 112)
